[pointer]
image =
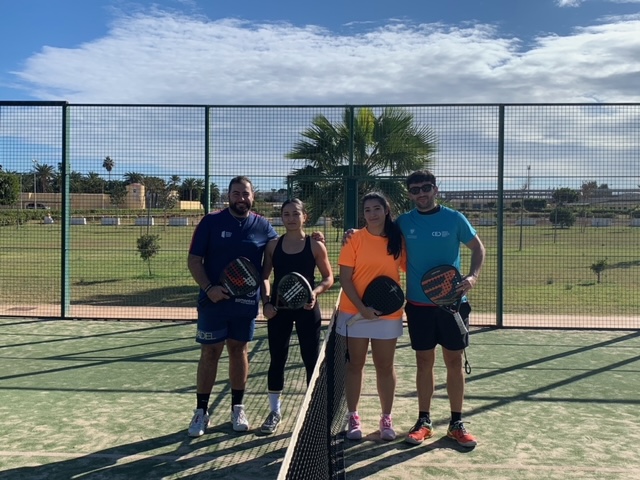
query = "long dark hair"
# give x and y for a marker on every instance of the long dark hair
(391, 229)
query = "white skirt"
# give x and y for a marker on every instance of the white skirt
(378, 329)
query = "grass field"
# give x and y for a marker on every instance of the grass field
(549, 274)
(112, 400)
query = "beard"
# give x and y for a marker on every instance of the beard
(240, 209)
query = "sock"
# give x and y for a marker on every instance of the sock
(455, 417)
(236, 397)
(424, 416)
(202, 401)
(274, 402)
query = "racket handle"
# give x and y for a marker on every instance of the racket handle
(354, 319)
(460, 322)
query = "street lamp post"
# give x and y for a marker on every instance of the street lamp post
(35, 186)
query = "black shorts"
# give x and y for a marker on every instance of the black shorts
(430, 326)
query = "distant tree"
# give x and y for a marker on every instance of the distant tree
(148, 247)
(565, 195)
(562, 217)
(133, 177)
(534, 204)
(156, 189)
(44, 176)
(588, 189)
(108, 165)
(174, 182)
(93, 183)
(599, 267)
(76, 183)
(192, 187)
(118, 192)
(214, 196)
(9, 188)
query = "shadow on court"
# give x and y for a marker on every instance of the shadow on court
(182, 458)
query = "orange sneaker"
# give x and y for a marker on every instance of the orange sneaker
(420, 431)
(460, 434)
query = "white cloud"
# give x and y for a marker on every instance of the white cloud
(166, 58)
(569, 3)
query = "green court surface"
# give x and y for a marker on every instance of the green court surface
(112, 400)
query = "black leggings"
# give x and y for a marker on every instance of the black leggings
(279, 328)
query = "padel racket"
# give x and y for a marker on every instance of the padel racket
(439, 285)
(239, 278)
(382, 294)
(293, 292)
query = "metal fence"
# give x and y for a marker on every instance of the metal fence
(553, 190)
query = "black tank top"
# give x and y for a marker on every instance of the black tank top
(302, 262)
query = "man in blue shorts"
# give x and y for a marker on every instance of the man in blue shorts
(433, 234)
(218, 239)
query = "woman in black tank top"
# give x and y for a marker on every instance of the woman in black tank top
(293, 252)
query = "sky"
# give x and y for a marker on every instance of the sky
(331, 52)
(334, 52)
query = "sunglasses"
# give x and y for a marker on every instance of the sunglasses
(427, 187)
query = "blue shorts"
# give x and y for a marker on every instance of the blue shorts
(430, 326)
(216, 328)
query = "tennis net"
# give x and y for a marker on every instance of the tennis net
(316, 450)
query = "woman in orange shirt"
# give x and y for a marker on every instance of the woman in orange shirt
(373, 251)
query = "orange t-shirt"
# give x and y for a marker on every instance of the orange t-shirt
(367, 255)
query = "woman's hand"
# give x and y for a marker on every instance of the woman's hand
(269, 310)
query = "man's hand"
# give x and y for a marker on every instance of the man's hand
(217, 294)
(466, 284)
(318, 236)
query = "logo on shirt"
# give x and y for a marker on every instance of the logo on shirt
(225, 234)
(443, 234)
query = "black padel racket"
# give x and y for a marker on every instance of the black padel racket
(240, 277)
(439, 285)
(293, 292)
(382, 294)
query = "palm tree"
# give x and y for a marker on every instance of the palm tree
(93, 183)
(385, 146)
(45, 174)
(192, 185)
(133, 177)
(108, 165)
(174, 182)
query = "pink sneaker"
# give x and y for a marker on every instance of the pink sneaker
(386, 428)
(354, 430)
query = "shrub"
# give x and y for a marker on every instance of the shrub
(148, 247)
(562, 217)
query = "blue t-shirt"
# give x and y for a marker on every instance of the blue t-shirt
(432, 239)
(220, 238)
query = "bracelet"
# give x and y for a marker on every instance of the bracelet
(208, 287)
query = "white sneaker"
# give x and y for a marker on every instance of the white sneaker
(239, 419)
(386, 428)
(199, 423)
(354, 428)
